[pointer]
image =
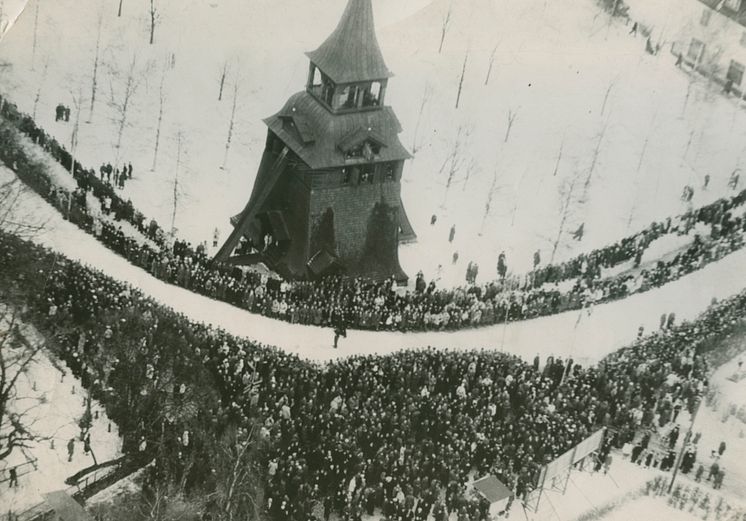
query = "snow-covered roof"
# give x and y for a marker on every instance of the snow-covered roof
(351, 53)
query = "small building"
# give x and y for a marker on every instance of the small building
(495, 492)
(327, 195)
(710, 35)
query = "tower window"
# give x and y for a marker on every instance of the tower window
(366, 175)
(346, 176)
(372, 95)
(389, 172)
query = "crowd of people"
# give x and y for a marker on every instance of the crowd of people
(364, 304)
(693, 499)
(398, 434)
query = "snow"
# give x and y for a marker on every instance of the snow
(587, 337)
(562, 99)
(57, 403)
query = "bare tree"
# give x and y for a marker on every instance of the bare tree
(17, 356)
(606, 96)
(596, 152)
(511, 118)
(236, 475)
(232, 122)
(425, 100)
(94, 77)
(490, 197)
(154, 17)
(444, 27)
(36, 31)
(492, 61)
(568, 198)
(455, 159)
(161, 109)
(77, 103)
(179, 136)
(122, 103)
(223, 73)
(461, 80)
(559, 157)
(40, 86)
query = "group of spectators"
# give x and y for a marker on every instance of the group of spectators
(692, 499)
(400, 434)
(365, 304)
(114, 175)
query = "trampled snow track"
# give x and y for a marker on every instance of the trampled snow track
(586, 337)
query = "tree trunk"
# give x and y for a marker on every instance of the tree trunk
(461, 81)
(94, 81)
(160, 120)
(230, 126)
(119, 13)
(36, 30)
(152, 21)
(222, 81)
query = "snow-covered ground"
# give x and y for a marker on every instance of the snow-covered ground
(55, 404)
(586, 337)
(630, 129)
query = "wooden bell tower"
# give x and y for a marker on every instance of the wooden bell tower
(327, 196)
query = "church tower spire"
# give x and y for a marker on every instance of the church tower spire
(351, 53)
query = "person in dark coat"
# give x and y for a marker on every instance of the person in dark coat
(70, 449)
(502, 267)
(452, 233)
(13, 481)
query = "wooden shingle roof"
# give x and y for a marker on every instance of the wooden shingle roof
(351, 53)
(332, 130)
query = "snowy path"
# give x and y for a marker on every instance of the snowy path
(609, 326)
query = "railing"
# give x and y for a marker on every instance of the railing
(82, 489)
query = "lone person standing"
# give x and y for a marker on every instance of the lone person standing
(70, 449)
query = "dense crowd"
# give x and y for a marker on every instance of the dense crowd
(364, 304)
(399, 434)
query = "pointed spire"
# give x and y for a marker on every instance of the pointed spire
(351, 53)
